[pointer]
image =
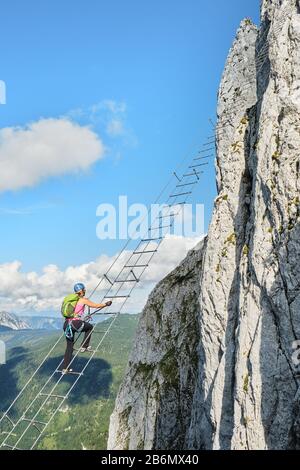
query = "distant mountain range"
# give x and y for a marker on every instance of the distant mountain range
(10, 321)
(43, 323)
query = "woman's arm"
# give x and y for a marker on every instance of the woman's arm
(89, 303)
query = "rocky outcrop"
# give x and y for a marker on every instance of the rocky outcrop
(153, 408)
(245, 316)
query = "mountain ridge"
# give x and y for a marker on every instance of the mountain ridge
(12, 321)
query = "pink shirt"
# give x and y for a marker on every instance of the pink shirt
(79, 310)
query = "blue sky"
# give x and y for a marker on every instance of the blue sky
(160, 61)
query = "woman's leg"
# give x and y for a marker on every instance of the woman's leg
(69, 350)
(87, 329)
(68, 354)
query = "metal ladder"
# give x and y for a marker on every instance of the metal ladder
(26, 431)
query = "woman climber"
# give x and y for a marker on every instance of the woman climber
(73, 311)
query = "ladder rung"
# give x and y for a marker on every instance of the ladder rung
(34, 421)
(196, 173)
(11, 447)
(142, 252)
(90, 351)
(72, 373)
(105, 314)
(206, 156)
(116, 297)
(166, 216)
(206, 150)
(181, 194)
(158, 228)
(127, 280)
(185, 184)
(151, 239)
(199, 164)
(136, 266)
(209, 143)
(53, 395)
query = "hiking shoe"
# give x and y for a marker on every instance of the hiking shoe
(88, 349)
(66, 371)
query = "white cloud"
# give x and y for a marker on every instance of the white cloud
(115, 107)
(48, 147)
(110, 116)
(115, 128)
(32, 291)
(102, 112)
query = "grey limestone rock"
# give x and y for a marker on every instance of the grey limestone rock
(212, 365)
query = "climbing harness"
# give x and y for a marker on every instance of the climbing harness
(69, 334)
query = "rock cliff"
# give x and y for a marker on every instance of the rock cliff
(213, 365)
